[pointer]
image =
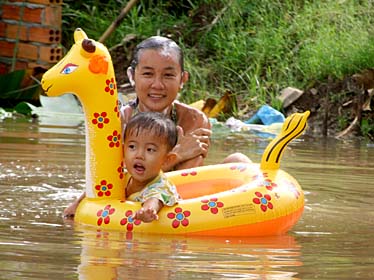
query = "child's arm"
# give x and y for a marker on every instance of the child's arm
(69, 212)
(149, 210)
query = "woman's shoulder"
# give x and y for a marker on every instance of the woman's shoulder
(126, 112)
(189, 116)
(185, 108)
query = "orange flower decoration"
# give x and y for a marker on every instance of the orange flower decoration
(98, 64)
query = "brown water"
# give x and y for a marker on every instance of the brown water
(42, 171)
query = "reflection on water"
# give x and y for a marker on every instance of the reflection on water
(42, 171)
(157, 257)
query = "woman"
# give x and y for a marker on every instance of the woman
(157, 74)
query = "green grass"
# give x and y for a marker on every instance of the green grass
(255, 48)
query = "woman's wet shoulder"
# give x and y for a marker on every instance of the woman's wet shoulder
(191, 115)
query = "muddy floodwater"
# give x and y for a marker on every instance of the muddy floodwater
(42, 171)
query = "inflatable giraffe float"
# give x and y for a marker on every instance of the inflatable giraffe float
(233, 199)
(87, 71)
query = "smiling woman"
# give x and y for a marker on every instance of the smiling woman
(157, 73)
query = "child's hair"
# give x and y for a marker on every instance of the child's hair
(157, 43)
(155, 123)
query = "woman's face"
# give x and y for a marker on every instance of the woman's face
(158, 78)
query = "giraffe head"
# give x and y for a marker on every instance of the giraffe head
(83, 69)
(87, 71)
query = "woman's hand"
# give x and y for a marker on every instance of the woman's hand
(192, 144)
(190, 150)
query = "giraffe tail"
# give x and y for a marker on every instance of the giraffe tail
(293, 126)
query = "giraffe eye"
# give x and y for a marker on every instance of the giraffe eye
(69, 68)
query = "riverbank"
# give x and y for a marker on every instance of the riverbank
(339, 108)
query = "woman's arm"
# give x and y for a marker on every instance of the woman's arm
(194, 133)
(190, 150)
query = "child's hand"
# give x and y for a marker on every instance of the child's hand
(69, 211)
(146, 215)
(148, 212)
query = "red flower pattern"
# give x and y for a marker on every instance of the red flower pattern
(240, 167)
(104, 188)
(104, 215)
(120, 170)
(110, 86)
(192, 173)
(129, 221)
(117, 108)
(263, 200)
(100, 119)
(114, 139)
(268, 184)
(180, 217)
(213, 204)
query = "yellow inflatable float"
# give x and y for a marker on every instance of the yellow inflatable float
(233, 199)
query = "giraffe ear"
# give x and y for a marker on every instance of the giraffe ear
(79, 34)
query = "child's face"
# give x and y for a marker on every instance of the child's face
(158, 78)
(144, 155)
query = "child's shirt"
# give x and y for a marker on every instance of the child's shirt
(160, 188)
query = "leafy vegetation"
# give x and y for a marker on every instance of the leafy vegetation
(254, 48)
(250, 48)
(17, 86)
